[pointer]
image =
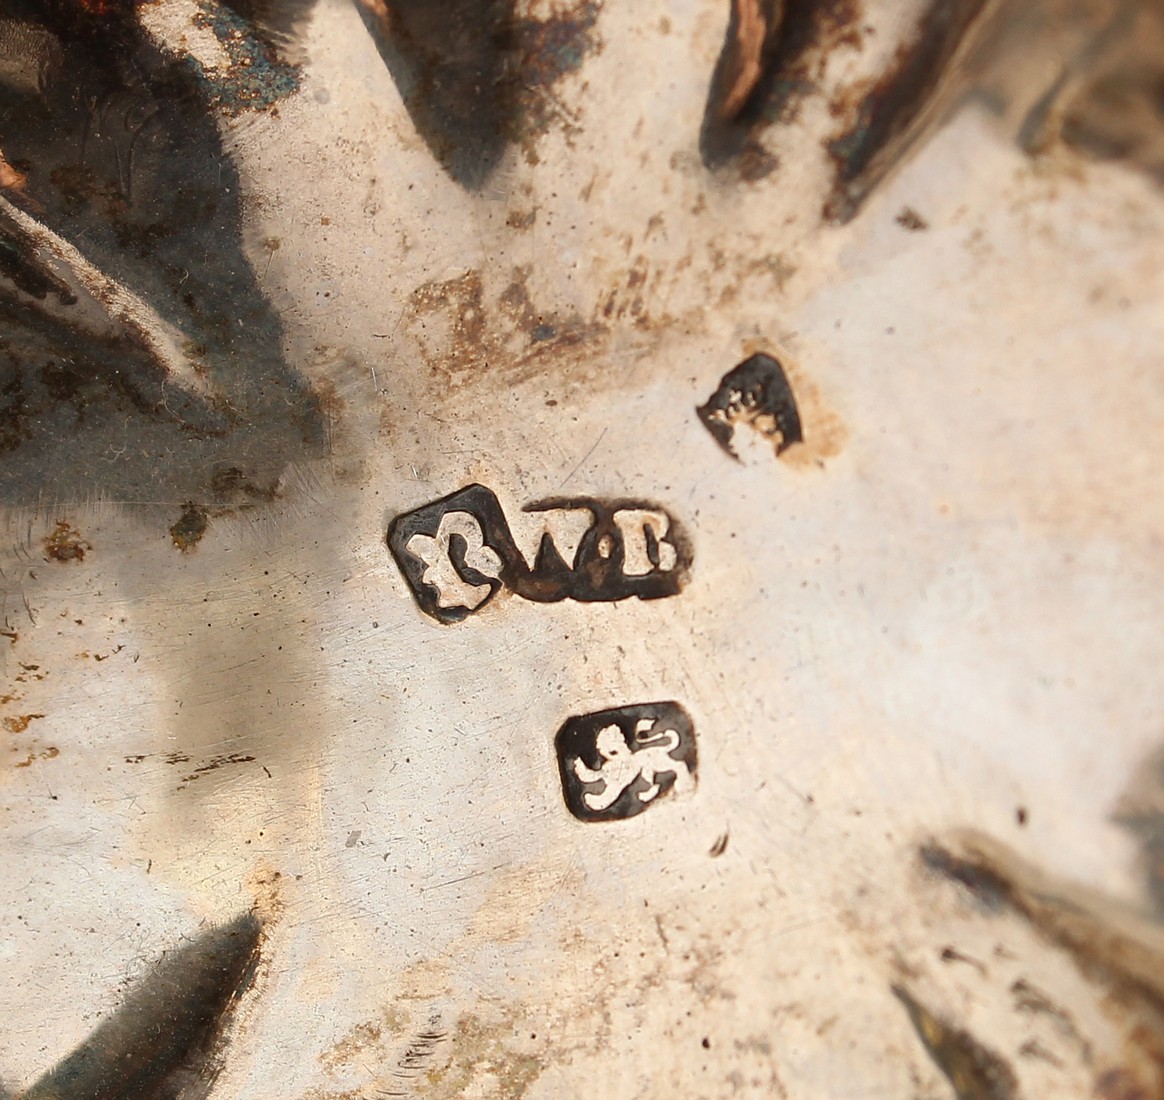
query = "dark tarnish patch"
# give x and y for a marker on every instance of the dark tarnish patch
(187, 532)
(751, 38)
(1119, 1084)
(51, 753)
(1141, 811)
(449, 63)
(1107, 100)
(214, 763)
(887, 120)
(127, 226)
(974, 1071)
(547, 51)
(756, 393)
(65, 543)
(165, 1040)
(792, 59)
(910, 219)
(475, 77)
(1122, 117)
(255, 78)
(988, 887)
(1112, 947)
(277, 23)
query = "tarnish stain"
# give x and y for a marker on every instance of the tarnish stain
(793, 50)
(255, 77)
(1110, 944)
(1119, 1084)
(547, 51)
(65, 543)
(403, 1052)
(477, 77)
(189, 528)
(887, 120)
(462, 333)
(19, 723)
(214, 763)
(48, 754)
(482, 1048)
(166, 1039)
(974, 1071)
(1141, 812)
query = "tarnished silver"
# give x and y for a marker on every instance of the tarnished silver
(772, 712)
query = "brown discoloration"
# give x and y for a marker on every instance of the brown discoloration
(1105, 100)
(522, 219)
(266, 885)
(1028, 998)
(1112, 947)
(974, 1071)
(632, 295)
(462, 333)
(952, 954)
(213, 764)
(354, 1045)
(792, 62)
(882, 123)
(187, 532)
(47, 754)
(10, 178)
(910, 219)
(19, 723)
(989, 888)
(402, 1046)
(479, 1045)
(751, 33)
(756, 163)
(1092, 929)
(456, 305)
(476, 76)
(824, 432)
(1121, 1084)
(234, 489)
(547, 51)
(65, 543)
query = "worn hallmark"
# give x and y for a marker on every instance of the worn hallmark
(756, 393)
(458, 552)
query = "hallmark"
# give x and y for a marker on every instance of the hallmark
(458, 552)
(618, 763)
